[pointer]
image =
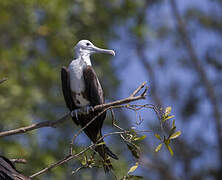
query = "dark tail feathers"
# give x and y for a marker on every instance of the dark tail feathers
(105, 153)
(110, 153)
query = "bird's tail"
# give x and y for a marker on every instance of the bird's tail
(105, 153)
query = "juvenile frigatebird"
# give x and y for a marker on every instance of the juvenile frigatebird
(82, 91)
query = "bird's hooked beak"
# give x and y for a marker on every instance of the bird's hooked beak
(104, 51)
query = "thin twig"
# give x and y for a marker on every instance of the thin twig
(138, 89)
(21, 161)
(70, 157)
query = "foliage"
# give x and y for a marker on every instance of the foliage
(36, 40)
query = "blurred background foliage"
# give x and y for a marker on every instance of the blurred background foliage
(37, 38)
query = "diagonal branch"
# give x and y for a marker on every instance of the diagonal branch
(3, 80)
(114, 104)
(201, 73)
(70, 157)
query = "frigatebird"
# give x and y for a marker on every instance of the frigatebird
(82, 91)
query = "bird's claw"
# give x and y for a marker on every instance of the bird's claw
(74, 113)
(89, 109)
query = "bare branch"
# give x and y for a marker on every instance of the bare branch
(201, 73)
(70, 157)
(3, 80)
(21, 161)
(35, 126)
(114, 104)
(138, 89)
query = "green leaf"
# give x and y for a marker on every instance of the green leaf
(171, 151)
(157, 136)
(158, 147)
(167, 111)
(167, 142)
(140, 138)
(133, 168)
(173, 124)
(84, 161)
(172, 130)
(102, 143)
(132, 177)
(175, 135)
(167, 117)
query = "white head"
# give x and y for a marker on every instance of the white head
(85, 48)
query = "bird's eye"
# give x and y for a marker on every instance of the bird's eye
(87, 44)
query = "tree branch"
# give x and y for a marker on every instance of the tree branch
(35, 126)
(70, 157)
(53, 124)
(20, 161)
(3, 80)
(202, 74)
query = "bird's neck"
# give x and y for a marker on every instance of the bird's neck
(87, 60)
(85, 57)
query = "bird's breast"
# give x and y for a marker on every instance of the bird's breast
(77, 83)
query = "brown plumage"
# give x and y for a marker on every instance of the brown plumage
(94, 94)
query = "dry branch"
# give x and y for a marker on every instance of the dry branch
(70, 157)
(20, 161)
(3, 80)
(52, 124)
(198, 66)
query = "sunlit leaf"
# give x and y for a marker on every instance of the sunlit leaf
(171, 151)
(167, 142)
(132, 177)
(157, 136)
(175, 135)
(167, 111)
(158, 147)
(172, 130)
(173, 124)
(168, 117)
(102, 143)
(140, 138)
(133, 168)
(84, 161)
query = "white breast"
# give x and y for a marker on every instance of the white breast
(76, 76)
(77, 83)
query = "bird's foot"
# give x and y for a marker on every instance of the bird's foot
(74, 113)
(87, 109)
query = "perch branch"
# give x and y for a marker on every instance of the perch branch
(3, 80)
(106, 106)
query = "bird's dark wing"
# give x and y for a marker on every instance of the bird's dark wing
(93, 89)
(67, 91)
(94, 94)
(8, 171)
